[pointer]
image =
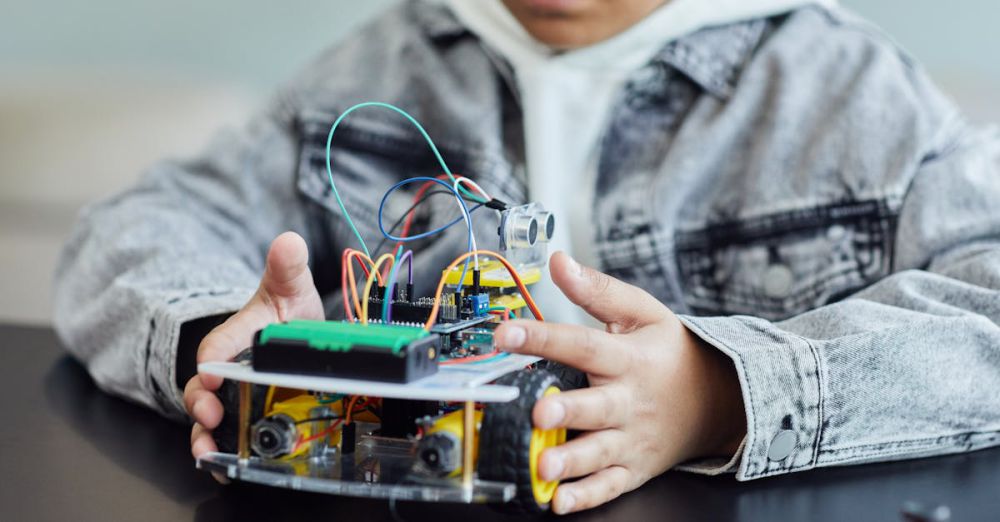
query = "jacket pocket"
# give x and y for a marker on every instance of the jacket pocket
(783, 264)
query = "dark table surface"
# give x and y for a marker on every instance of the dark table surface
(70, 452)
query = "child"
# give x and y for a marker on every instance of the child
(795, 235)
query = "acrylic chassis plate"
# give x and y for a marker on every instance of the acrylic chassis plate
(379, 468)
(457, 382)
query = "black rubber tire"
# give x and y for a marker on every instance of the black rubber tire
(225, 434)
(571, 378)
(505, 438)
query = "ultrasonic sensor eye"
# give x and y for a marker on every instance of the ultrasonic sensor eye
(548, 225)
(524, 231)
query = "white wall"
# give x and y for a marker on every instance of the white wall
(957, 41)
(93, 92)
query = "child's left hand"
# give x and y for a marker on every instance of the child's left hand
(658, 395)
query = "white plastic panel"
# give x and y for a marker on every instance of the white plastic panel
(457, 382)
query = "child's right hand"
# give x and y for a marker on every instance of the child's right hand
(286, 292)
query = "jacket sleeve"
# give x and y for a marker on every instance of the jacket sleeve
(908, 367)
(188, 241)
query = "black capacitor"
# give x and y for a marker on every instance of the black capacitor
(348, 438)
(399, 416)
(496, 204)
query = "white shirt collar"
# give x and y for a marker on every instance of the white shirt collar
(492, 22)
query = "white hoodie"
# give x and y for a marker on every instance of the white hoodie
(567, 97)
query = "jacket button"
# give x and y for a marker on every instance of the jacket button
(778, 281)
(836, 232)
(781, 445)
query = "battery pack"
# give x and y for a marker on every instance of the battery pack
(376, 352)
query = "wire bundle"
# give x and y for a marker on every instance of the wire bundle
(427, 138)
(458, 187)
(461, 202)
(347, 274)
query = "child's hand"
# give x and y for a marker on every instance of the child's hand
(658, 396)
(286, 292)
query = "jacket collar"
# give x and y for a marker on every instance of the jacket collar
(714, 57)
(438, 22)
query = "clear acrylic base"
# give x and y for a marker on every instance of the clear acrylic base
(379, 468)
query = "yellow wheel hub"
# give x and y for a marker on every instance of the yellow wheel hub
(541, 440)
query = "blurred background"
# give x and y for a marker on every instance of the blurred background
(91, 93)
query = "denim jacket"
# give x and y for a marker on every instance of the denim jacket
(794, 188)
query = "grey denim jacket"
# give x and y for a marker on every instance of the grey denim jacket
(795, 188)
